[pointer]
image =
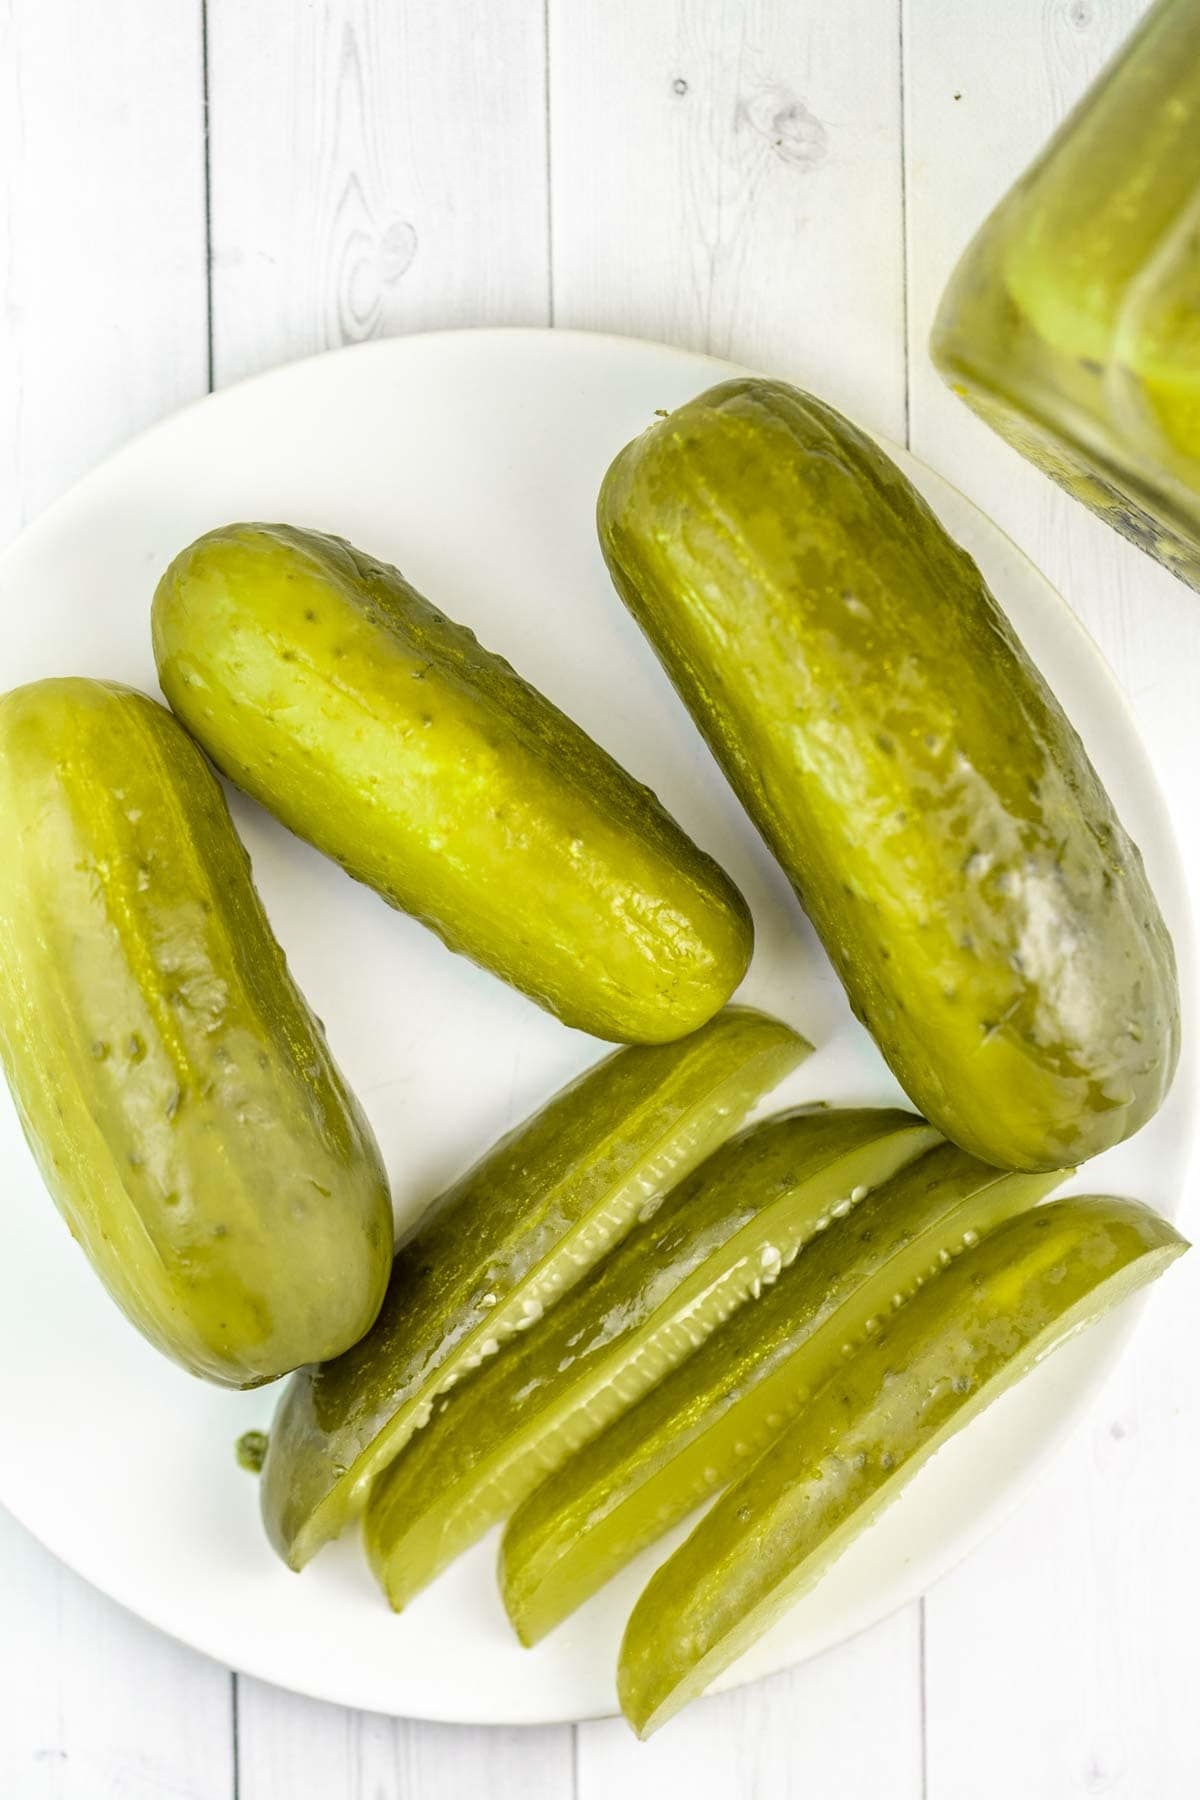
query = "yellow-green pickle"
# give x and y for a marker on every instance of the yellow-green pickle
(908, 766)
(955, 1346)
(508, 1241)
(321, 682)
(178, 1094)
(719, 1239)
(700, 1427)
(1072, 322)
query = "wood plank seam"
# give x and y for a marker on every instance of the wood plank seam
(549, 128)
(205, 127)
(906, 340)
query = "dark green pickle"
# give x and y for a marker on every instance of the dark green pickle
(700, 1428)
(908, 766)
(951, 1350)
(178, 1094)
(508, 1240)
(717, 1241)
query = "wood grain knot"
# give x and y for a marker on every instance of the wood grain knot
(794, 134)
(397, 248)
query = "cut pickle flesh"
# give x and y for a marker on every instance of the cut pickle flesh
(697, 1430)
(966, 1337)
(509, 1239)
(734, 1225)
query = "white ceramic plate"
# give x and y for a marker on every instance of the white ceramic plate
(472, 460)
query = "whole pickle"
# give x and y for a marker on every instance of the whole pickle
(178, 1094)
(908, 766)
(321, 682)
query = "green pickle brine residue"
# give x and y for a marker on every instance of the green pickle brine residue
(251, 1451)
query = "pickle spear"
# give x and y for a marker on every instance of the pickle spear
(723, 1235)
(697, 1430)
(965, 1338)
(510, 1237)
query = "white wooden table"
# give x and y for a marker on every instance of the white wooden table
(785, 182)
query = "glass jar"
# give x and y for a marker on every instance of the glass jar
(1072, 322)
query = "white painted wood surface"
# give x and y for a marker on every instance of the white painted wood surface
(374, 168)
(102, 246)
(103, 326)
(728, 177)
(785, 182)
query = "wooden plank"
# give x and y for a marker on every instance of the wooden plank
(102, 330)
(93, 1702)
(102, 288)
(1074, 1625)
(375, 168)
(728, 178)
(846, 1726)
(289, 1748)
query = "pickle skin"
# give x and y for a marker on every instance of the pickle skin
(505, 1243)
(909, 768)
(701, 1427)
(323, 684)
(956, 1346)
(177, 1093)
(722, 1235)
